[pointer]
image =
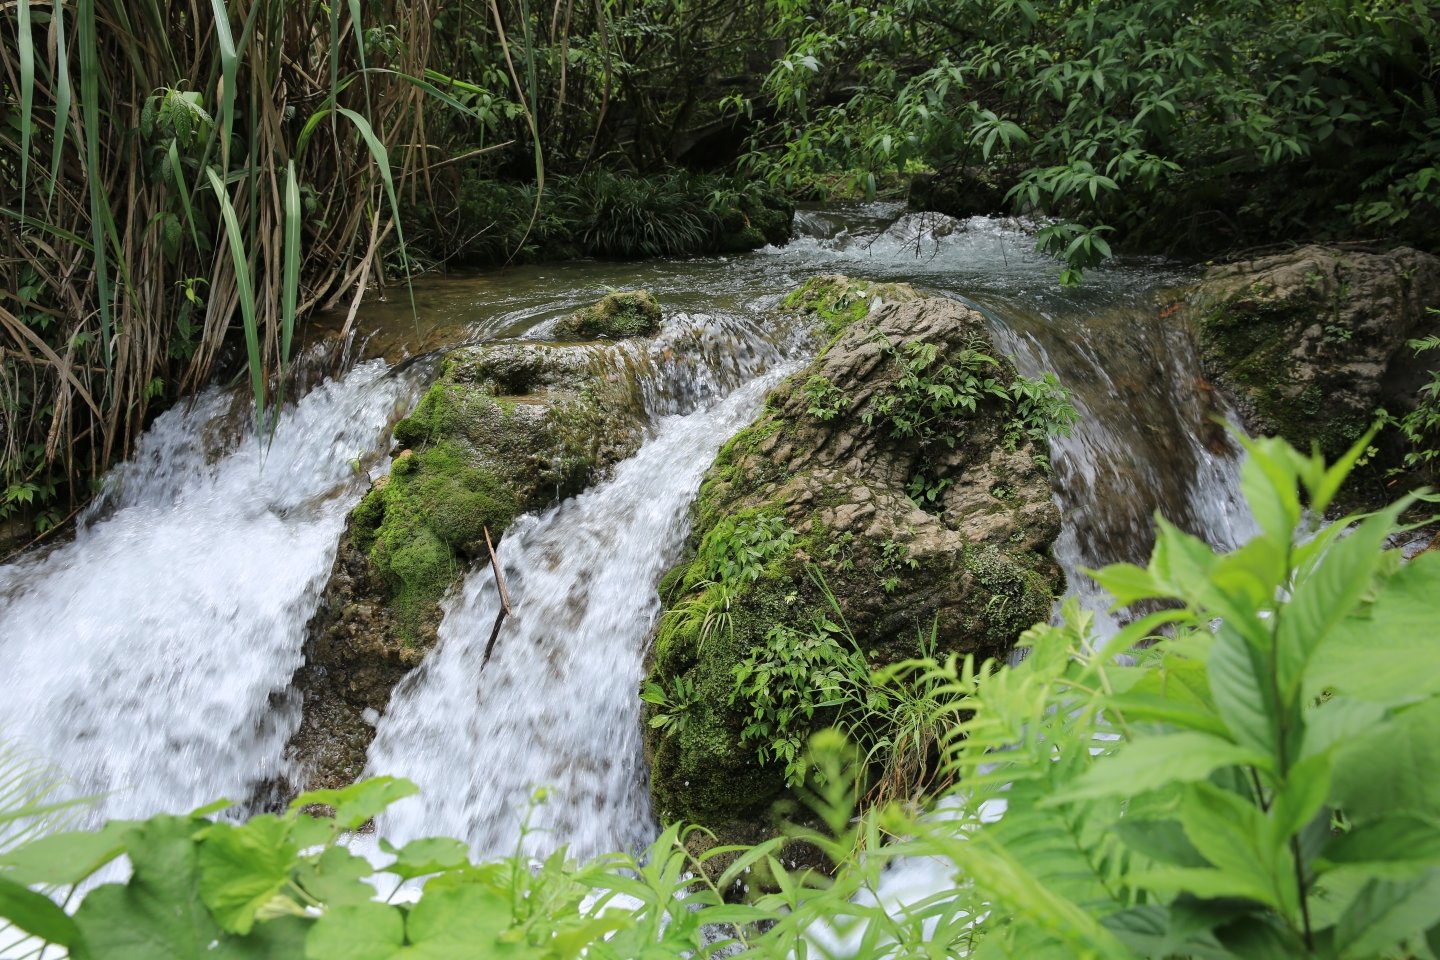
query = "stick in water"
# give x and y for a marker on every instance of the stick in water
(504, 599)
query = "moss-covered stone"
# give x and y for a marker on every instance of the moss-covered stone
(755, 219)
(978, 567)
(1310, 343)
(838, 301)
(625, 313)
(505, 428)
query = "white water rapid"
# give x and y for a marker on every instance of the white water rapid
(149, 657)
(556, 706)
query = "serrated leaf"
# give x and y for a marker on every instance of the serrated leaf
(431, 855)
(1405, 839)
(1392, 770)
(1385, 913)
(358, 803)
(1241, 842)
(366, 931)
(1161, 840)
(1156, 762)
(1391, 652)
(1237, 686)
(336, 878)
(242, 868)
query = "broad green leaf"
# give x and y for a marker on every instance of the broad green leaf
(1339, 719)
(308, 831)
(242, 868)
(1241, 842)
(1267, 478)
(1180, 562)
(356, 804)
(1153, 708)
(1156, 762)
(1405, 840)
(366, 931)
(461, 920)
(1392, 770)
(431, 855)
(1237, 682)
(241, 264)
(1385, 913)
(159, 913)
(1202, 882)
(1323, 599)
(36, 914)
(1128, 583)
(66, 858)
(1161, 840)
(335, 878)
(1301, 796)
(1390, 653)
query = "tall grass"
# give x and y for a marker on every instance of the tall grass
(177, 172)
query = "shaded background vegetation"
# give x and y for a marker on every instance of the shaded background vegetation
(424, 133)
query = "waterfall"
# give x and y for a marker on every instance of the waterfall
(149, 658)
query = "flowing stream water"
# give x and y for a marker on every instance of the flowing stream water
(151, 656)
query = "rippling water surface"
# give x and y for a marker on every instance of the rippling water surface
(151, 656)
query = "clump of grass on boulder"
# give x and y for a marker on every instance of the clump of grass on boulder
(618, 315)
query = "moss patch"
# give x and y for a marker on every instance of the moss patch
(756, 218)
(628, 313)
(838, 301)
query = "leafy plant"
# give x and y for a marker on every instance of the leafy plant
(825, 401)
(924, 398)
(1421, 426)
(671, 707)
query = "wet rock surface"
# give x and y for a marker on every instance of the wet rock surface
(625, 313)
(506, 428)
(975, 565)
(1311, 342)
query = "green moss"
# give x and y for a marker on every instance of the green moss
(629, 313)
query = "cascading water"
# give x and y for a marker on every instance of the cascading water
(556, 706)
(148, 658)
(151, 655)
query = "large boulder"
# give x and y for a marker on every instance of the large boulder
(506, 428)
(1312, 342)
(843, 484)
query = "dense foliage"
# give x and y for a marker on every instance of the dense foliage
(1261, 781)
(1182, 124)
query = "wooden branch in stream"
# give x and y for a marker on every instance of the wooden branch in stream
(504, 599)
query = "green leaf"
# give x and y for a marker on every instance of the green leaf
(308, 831)
(159, 913)
(1156, 762)
(461, 920)
(336, 878)
(1237, 684)
(1162, 840)
(36, 914)
(1392, 770)
(1127, 583)
(1322, 600)
(66, 858)
(366, 931)
(1385, 913)
(242, 868)
(241, 264)
(1302, 795)
(432, 855)
(1268, 480)
(1404, 840)
(1237, 837)
(356, 804)
(1391, 652)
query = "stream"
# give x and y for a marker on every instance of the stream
(151, 656)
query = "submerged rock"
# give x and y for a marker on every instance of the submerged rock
(824, 492)
(1311, 342)
(624, 313)
(506, 428)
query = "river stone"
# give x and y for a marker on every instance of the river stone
(1311, 342)
(624, 313)
(978, 567)
(506, 428)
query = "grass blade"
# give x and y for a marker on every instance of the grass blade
(292, 261)
(62, 99)
(228, 62)
(184, 193)
(360, 50)
(90, 109)
(26, 37)
(247, 297)
(382, 160)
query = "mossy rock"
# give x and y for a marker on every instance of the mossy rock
(627, 313)
(838, 301)
(1311, 343)
(757, 218)
(976, 566)
(506, 428)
